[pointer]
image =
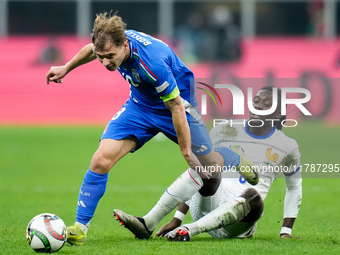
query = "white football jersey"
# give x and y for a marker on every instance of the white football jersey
(272, 154)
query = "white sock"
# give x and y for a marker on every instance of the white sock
(224, 215)
(209, 203)
(179, 191)
(83, 227)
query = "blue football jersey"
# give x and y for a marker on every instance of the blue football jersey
(153, 71)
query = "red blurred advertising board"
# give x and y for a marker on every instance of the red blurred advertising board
(92, 95)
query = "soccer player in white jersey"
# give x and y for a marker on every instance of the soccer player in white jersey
(236, 207)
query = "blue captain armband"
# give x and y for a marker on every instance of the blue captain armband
(172, 95)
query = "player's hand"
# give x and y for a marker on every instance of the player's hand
(55, 74)
(174, 223)
(288, 236)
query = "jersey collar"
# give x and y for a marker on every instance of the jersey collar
(130, 45)
(259, 136)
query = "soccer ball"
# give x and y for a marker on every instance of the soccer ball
(46, 232)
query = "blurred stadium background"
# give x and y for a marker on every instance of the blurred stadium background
(265, 39)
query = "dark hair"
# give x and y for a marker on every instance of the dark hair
(277, 124)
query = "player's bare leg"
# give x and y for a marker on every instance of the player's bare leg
(109, 152)
(256, 204)
(214, 162)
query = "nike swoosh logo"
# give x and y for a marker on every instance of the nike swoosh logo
(71, 234)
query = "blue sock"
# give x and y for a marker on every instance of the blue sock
(231, 158)
(91, 191)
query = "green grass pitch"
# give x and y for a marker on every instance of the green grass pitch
(41, 170)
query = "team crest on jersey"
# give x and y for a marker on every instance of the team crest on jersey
(135, 75)
(271, 157)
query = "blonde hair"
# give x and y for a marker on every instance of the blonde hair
(107, 28)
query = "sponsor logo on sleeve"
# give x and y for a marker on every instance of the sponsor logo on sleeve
(162, 87)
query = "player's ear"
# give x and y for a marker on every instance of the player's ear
(126, 47)
(126, 44)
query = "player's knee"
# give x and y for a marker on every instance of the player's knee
(101, 163)
(253, 197)
(250, 194)
(256, 205)
(210, 186)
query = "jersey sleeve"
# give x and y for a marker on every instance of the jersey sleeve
(293, 181)
(291, 161)
(166, 86)
(160, 74)
(293, 195)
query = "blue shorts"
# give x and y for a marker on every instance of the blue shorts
(133, 122)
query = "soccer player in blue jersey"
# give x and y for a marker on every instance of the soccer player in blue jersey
(162, 99)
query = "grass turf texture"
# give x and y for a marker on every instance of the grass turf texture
(42, 169)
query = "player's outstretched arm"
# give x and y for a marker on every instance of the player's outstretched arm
(176, 220)
(292, 204)
(56, 73)
(181, 125)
